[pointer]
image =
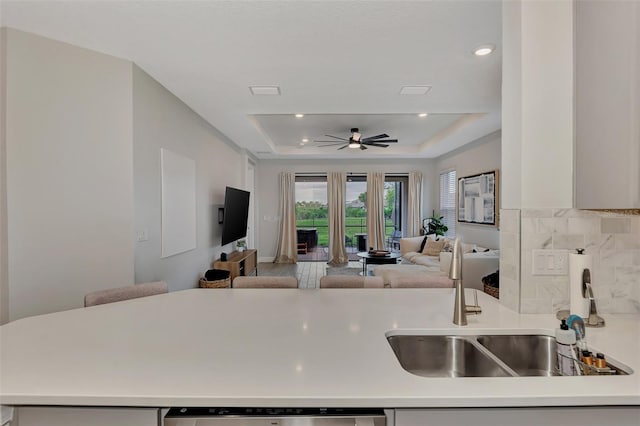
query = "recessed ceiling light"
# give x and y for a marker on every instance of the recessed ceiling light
(264, 90)
(422, 114)
(414, 90)
(484, 50)
(305, 140)
(299, 115)
(301, 144)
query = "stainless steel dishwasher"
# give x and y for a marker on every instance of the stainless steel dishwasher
(266, 416)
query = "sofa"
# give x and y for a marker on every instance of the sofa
(432, 271)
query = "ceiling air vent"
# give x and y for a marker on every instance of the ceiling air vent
(414, 90)
(264, 90)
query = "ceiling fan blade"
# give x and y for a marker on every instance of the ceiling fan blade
(343, 147)
(381, 145)
(380, 136)
(330, 143)
(383, 141)
(336, 137)
(362, 147)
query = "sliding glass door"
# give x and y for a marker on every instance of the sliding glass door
(312, 215)
(312, 218)
(356, 215)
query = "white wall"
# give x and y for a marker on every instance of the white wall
(479, 156)
(268, 172)
(161, 120)
(4, 270)
(69, 174)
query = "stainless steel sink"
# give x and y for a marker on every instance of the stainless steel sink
(482, 356)
(528, 355)
(444, 356)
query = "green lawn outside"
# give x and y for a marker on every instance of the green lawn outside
(354, 225)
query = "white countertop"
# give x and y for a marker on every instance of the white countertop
(272, 347)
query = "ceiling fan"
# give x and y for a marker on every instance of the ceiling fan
(357, 141)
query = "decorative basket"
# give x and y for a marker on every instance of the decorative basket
(216, 278)
(492, 291)
(224, 283)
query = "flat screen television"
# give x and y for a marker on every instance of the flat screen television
(236, 213)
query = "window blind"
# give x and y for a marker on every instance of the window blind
(448, 200)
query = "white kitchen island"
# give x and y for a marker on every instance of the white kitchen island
(284, 348)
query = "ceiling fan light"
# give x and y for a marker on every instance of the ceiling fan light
(354, 144)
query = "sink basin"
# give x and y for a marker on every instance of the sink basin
(527, 355)
(444, 356)
(484, 356)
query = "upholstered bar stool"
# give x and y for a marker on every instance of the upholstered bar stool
(350, 281)
(125, 293)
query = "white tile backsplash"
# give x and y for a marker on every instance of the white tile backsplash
(536, 241)
(615, 225)
(598, 242)
(556, 225)
(537, 213)
(510, 258)
(582, 225)
(627, 241)
(612, 239)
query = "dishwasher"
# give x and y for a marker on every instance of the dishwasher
(269, 416)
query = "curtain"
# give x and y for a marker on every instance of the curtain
(287, 251)
(375, 210)
(336, 189)
(414, 204)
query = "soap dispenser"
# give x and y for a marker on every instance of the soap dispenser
(566, 348)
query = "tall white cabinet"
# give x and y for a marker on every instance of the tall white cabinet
(607, 110)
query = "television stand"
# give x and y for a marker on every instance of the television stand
(239, 263)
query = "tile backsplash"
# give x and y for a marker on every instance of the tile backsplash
(612, 239)
(510, 258)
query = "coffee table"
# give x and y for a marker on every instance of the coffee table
(367, 259)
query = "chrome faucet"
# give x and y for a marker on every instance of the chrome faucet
(460, 308)
(594, 319)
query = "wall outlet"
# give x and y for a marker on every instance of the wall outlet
(550, 262)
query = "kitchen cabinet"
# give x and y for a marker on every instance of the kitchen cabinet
(66, 416)
(525, 416)
(607, 108)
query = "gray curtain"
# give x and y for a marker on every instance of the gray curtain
(287, 251)
(375, 210)
(414, 204)
(336, 189)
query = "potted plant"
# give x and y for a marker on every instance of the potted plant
(241, 245)
(434, 225)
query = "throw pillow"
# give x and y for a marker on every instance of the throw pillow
(467, 248)
(433, 248)
(479, 249)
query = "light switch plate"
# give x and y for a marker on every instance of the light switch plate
(550, 262)
(142, 235)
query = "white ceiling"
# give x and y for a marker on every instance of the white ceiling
(341, 63)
